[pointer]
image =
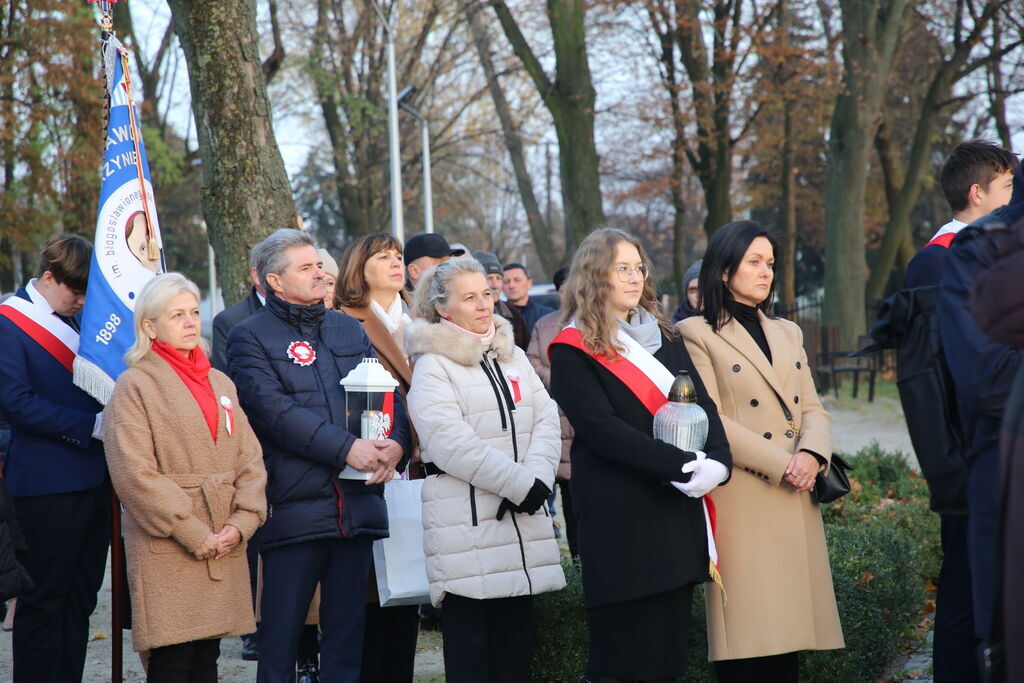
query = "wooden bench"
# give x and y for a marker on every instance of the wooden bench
(833, 362)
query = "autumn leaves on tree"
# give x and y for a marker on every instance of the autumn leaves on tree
(823, 119)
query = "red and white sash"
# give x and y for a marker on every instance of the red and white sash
(650, 381)
(46, 329)
(944, 236)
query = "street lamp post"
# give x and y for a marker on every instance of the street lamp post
(428, 196)
(397, 226)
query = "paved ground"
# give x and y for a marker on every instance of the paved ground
(855, 424)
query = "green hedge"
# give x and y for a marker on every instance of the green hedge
(884, 549)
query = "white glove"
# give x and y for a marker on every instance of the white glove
(706, 475)
(97, 427)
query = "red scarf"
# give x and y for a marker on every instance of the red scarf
(194, 371)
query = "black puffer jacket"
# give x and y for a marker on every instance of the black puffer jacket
(298, 413)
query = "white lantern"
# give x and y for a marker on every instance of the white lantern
(369, 406)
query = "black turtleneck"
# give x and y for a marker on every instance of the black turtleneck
(747, 317)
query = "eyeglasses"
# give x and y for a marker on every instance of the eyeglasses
(626, 273)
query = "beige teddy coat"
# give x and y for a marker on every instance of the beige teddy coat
(177, 487)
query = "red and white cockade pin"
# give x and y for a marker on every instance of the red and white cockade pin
(229, 415)
(513, 379)
(301, 353)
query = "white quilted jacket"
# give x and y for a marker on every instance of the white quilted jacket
(455, 409)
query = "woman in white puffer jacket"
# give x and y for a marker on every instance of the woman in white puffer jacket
(490, 441)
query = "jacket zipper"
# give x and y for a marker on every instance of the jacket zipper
(502, 397)
(522, 553)
(472, 503)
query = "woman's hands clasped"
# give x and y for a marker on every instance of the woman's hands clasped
(217, 545)
(802, 471)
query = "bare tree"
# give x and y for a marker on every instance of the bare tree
(540, 229)
(871, 30)
(570, 98)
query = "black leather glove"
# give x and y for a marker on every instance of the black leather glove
(504, 506)
(535, 498)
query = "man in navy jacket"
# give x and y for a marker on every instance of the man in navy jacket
(56, 469)
(287, 361)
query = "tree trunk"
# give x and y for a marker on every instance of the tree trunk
(246, 194)
(871, 29)
(540, 229)
(950, 71)
(570, 99)
(787, 258)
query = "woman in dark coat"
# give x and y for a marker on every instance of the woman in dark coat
(643, 543)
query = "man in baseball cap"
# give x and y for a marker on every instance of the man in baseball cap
(423, 252)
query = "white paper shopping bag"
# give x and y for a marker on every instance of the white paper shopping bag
(398, 560)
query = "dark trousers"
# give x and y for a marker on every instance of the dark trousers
(984, 503)
(290, 575)
(191, 662)
(570, 518)
(389, 647)
(67, 536)
(784, 668)
(487, 641)
(953, 652)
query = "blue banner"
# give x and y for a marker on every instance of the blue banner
(126, 248)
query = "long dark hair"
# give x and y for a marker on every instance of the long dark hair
(725, 251)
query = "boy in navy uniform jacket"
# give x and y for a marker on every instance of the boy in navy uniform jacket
(977, 179)
(56, 469)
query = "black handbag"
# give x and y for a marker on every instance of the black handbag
(827, 487)
(833, 485)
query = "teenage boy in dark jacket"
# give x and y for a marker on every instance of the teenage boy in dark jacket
(976, 179)
(982, 372)
(287, 361)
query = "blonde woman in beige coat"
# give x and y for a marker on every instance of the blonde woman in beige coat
(771, 541)
(490, 444)
(189, 471)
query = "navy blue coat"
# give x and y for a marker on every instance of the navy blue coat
(982, 369)
(52, 449)
(298, 413)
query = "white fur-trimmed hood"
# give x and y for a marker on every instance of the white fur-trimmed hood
(422, 337)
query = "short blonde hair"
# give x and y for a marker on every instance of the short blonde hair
(150, 304)
(434, 287)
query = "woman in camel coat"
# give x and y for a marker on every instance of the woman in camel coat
(371, 277)
(189, 471)
(771, 541)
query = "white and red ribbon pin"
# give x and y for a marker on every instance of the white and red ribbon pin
(513, 379)
(301, 353)
(229, 415)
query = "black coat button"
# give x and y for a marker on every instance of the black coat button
(767, 435)
(796, 399)
(789, 433)
(753, 402)
(798, 365)
(736, 368)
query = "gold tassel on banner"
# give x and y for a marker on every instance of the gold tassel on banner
(716, 576)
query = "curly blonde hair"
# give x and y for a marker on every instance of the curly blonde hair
(588, 286)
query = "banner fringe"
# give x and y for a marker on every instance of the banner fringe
(92, 380)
